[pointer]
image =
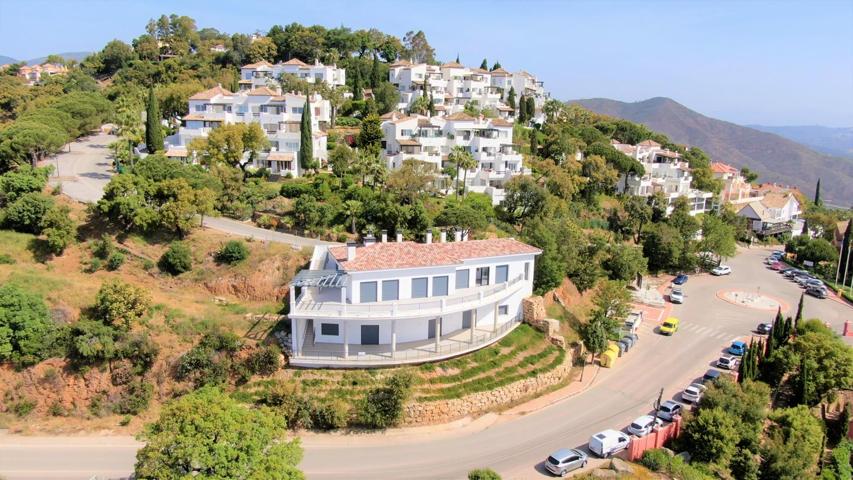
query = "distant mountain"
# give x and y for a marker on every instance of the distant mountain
(776, 159)
(4, 60)
(829, 140)
(78, 56)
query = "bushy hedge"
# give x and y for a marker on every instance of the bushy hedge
(234, 251)
(177, 259)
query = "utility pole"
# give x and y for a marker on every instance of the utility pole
(658, 402)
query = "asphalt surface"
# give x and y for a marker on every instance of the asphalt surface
(516, 446)
(86, 168)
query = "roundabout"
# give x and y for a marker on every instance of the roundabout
(753, 299)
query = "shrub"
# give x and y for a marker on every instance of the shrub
(148, 264)
(26, 213)
(141, 351)
(125, 420)
(234, 251)
(383, 406)
(839, 462)
(483, 474)
(115, 261)
(295, 189)
(221, 341)
(59, 229)
(656, 459)
(134, 399)
(121, 304)
(177, 259)
(93, 266)
(57, 410)
(330, 415)
(27, 333)
(264, 360)
(6, 259)
(23, 407)
(103, 247)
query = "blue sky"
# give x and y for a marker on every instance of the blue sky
(774, 63)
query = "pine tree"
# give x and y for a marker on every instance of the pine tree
(484, 65)
(357, 92)
(817, 199)
(375, 72)
(510, 98)
(306, 144)
(496, 66)
(153, 131)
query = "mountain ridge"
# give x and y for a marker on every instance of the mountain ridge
(776, 159)
(78, 56)
(836, 141)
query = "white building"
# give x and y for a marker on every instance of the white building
(452, 85)
(431, 139)
(279, 114)
(665, 172)
(773, 213)
(389, 303)
(735, 188)
(36, 73)
(265, 74)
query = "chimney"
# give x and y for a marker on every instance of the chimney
(399, 237)
(443, 236)
(429, 237)
(457, 235)
(384, 236)
(369, 240)
(351, 251)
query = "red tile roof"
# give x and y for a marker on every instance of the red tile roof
(210, 93)
(262, 63)
(393, 255)
(262, 92)
(295, 61)
(718, 167)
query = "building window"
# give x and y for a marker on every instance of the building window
(482, 276)
(462, 278)
(419, 287)
(501, 273)
(439, 286)
(527, 270)
(390, 290)
(330, 329)
(503, 309)
(368, 292)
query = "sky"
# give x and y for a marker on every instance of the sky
(749, 62)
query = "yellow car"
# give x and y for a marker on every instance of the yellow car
(670, 326)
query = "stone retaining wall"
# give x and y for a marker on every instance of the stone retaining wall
(443, 411)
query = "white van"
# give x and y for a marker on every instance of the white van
(633, 322)
(608, 442)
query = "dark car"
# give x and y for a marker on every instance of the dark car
(681, 279)
(764, 328)
(819, 292)
(711, 375)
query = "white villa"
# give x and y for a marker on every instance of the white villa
(452, 85)
(430, 139)
(279, 114)
(735, 188)
(773, 213)
(665, 172)
(265, 74)
(389, 303)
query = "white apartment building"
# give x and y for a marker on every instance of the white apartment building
(735, 188)
(773, 213)
(452, 85)
(265, 74)
(279, 114)
(665, 172)
(389, 303)
(34, 74)
(431, 139)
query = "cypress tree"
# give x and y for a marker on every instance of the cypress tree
(522, 110)
(799, 316)
(817, 200)
(510, 98)
(531, 108)
(787, 336)
(844, 260)
(534, 143)
(375, 72)
(805, 230)
(742, 366)
(457, 58)
(306, 144)
(496, 66)
(805, 383)
(153, 131)
(357, 92)
(484, 65)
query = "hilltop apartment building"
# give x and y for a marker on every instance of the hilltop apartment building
(452, 85)
(279, 114)
(34, 74)
(387, 303)
(665, 172)
(265, 74)
(736, 189)
(431, 139)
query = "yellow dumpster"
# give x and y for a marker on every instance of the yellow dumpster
(608, 358)
(613, 347)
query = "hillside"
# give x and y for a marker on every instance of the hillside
(78, 56)
(4, 60)
(776, 159)
(828, 140)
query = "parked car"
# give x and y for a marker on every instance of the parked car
(565, 460)
(669, 410)
(693, 393)
(803, 280)
(681, 279)
(644, 425)
(818, 292)
(728, 362)
(786, 270)
(722, 270)
(780, 253)
(764, 328)
(608, 442)
(633, 322)
(676, 295)
(771, 260)
(737, 348)
(777, 266)
(815, 283)
(670, 326)
(792, 272)
(711, 375)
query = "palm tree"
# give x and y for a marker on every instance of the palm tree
(455, 156)
(351, 209)
(467, 162)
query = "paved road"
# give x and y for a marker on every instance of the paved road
(514, 446)
(86, 169)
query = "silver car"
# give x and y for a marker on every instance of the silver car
(565, 460)
(676, 295)
(669, 410)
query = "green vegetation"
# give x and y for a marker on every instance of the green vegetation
(234, 251)
(177, 259)
(483, 473)
(27, 334)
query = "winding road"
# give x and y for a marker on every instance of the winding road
(514, 445)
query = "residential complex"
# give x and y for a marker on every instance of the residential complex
(34, 74)
(265, 74)
(735, 188)
(389, 303)
(279, 114)
(452, 85)
(431, 139)
(773, 213)
(665, 172)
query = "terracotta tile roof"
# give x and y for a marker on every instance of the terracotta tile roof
(500, 122)
(425, 123)
(505, 108)
(452, 65)
(210, 93)
(403, 119)
(295, 61)
(245, 81)
(481, 70)
(460, 116)
(408, 143)
(649, 143)
(281, 156)
(500, 72)
(176, 152)
(194, 116)
(262, 92)
(401, 63)
(262, 63)
(393, 255)
(668, 154)
(776, 200)
(718, 167)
